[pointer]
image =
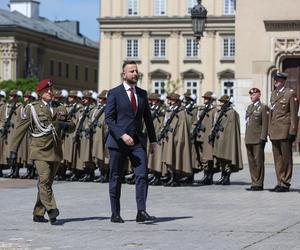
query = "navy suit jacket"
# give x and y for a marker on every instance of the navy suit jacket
(120, 117)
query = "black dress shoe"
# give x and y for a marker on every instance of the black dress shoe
(144, 216)
(115, 218)
(53, 213)
(54, 221)
(41, 219)
(281, 189)
(255, 188)
(274, 189)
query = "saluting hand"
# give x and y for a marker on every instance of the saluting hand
(127, 140)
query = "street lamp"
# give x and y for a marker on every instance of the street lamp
(198, 14)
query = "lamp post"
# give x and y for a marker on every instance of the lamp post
(198, 15)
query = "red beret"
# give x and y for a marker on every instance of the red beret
(254, 90)
(46, 83)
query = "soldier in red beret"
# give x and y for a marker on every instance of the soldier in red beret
(46, 124)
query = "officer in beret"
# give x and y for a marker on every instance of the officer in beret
(46, 123)
(255, 139)
(283, 125)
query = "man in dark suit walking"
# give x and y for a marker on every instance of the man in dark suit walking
(126, 111)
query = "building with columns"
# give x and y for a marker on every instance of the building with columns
(31, 45)
(158, 35)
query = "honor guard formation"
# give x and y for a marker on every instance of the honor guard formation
(61, 135)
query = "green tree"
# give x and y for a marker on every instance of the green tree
(20, 84)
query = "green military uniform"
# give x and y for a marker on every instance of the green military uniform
(46, 148)
(255, 139)
(283, 125)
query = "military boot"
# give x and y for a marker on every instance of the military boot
(173, 182)
(12, 171)
(208, 180)
(1, 173)
(16, 173)
(226, 180)
(155, 181)
(220, 181)
(103, 177)
(130, 179)
(89, 175)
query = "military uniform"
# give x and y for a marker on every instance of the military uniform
(255, 139)
(100, 132)
(46, 123)
(227, 143)
(155, 159)
(2, 96)
(176, 152)
(283, 125)
(202, 149)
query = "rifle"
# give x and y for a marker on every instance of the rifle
(199, 126)
(7, 123)
(166, 129)
(94, 123)
(80, 125)
(217, 126)
(190, 106)
(155, 111)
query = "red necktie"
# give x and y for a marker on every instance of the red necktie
(132, 100)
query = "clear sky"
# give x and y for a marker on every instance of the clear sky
(84, 11)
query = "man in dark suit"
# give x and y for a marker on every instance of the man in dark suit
(126, 111)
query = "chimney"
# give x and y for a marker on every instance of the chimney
(29, 8)
(71, 26)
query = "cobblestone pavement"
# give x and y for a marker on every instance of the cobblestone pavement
(209, 217)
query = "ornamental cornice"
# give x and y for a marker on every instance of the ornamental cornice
(287, 46)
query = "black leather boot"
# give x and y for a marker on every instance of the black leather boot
(16, 174)
(1, 173)
(208, 180)
(226, 180)
(103, 177)
(12, 170)
(88, 176)
(220, 181)
(155, 181)
(173, 182)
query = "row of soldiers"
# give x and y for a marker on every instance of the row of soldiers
(190, 138)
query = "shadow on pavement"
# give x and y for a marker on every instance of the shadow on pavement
(164, 219)
(61, 222)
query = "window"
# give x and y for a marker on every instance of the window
(95, 76)
(160, 48)
(67, 70)
(229, 7)
(160, 8)
(228, 47)
(228, 87)
(191, 47)
(86, 74)
(133, 7)
(59, 69)
(77, 72)
(52, 68)
(158, 86)
(132, 48)
(190, 5)
(191, 85)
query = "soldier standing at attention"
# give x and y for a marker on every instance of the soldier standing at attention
(283, 124)
(45, 123)
(256, 138)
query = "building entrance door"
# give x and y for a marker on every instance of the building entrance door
(291, 66)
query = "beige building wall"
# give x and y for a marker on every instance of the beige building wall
(267, 32)
(209, 69)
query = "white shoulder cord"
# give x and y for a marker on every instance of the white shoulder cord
(42, 130)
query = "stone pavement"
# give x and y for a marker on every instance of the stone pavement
(210, 217)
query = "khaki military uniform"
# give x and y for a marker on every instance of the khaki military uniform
(255, 137)
(283, 122)
(155, 159)
(204, 150)
(176, 152)
(46, 148)
(2, 119)
(227, 144)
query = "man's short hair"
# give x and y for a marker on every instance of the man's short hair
(127, 63)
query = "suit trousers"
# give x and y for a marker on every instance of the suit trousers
(283, 158)
(45, 198)
(138, 158)
(256, 160)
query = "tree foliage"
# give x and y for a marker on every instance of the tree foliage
(20, 84)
